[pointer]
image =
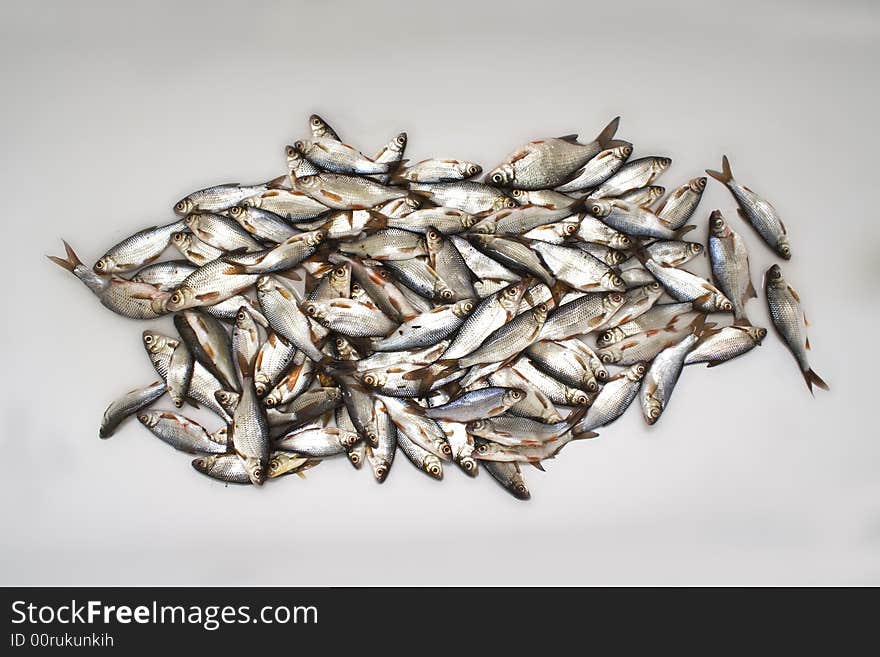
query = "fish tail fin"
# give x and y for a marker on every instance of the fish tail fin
(723, 176)
(812, 378)
(72, 261)
(683, 231)
(376, 221)
(582, 435)
(281, 182)
(608, 133)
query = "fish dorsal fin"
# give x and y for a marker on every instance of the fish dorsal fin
(571, 139)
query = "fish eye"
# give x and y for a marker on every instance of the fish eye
(521, 488)
(592, 386)
(175, 298)
(298, 145)
(640, 368)
(626, 150)
(616, 280)
(316, 121)
(696, 248)
(617, 297)
(143, 417)
(596, 209)
(447, 294)
(270, 401)
(665, 161)
(370, 380)
(180, 205)
(570, 229)
(482, 449)
(148, 339)
(497, 178)
(291, 151)
(473, 170)
(726, 305)
(258, 473)
(100, 264)
(542, 308)
(606, 358)
(400, 140)
(510, 203)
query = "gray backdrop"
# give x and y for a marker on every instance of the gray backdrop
(112, 113)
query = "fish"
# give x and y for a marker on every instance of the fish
(380, 451)
(466, 195)
(449, 264)
(426, 328)
(332, 155)
(631, 219)
(679, 206)
(412, 422)
(550, 162)
(512, 431)
(193, 249)
(518, 220)
(318, 442)
(387, 244)
(578, 269)
(510, 478)
(489, 451)
(359, 319)
(581, 316)
(221, 232)
(644, 346)
(636, 173)
(262, 224)
(480, 403)
(662, 375)
(419, 456)
(286, 318)
(657, 316)
(180, 370)
(321, 129)
(180, 432)
(790, 322)
(507, 340)
(210, 345)
(273, 359)
(673, 253)
(730, 265)
(566, 361)
(682, 285)
(448, 221)
(223, 197)
(513, 253)
(343, 192)
(292, 205)
(297, 165)
(728, 343)
(164, 275)
(137, 250)
(591, 229)
(756, 211)
(439, 171)
(245, 343)
(296, 381)
(286, 255)
(210, 284)
(556, 391)
(129, 404)
(391, 154)
(638, 301)
(228, 468)
(643, 197)
(380, 288)
(615, 397)
(598, 169)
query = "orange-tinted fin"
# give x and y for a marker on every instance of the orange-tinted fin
(725, 175)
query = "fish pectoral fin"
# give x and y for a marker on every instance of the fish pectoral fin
(807, 343)
(793, 293)
(537, 464)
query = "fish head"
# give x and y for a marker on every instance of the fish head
(281, 463)
(469, 169)
(306, 183)
(612, 281)
(722, 303)
(512, 397)
(156, 342)
(184, 206)
(622, 152)
(610, 355)
(620, 241)
(375, 379)
(315, 310)
(398, 144)
(756, 333)
(485, 448)
(238, 212)
(304, 146)
(577, 398)
(205, 464)
(697, 185)
(431, 465)
(181, 240)
(228, 399)
(255, 470)
(443, 291)
(774, 276)
(636, 372)
(463, 308)
(502, 176)
(612, 302)
(381, 468)
(717, 225)
(695, 249)
(783, 248)
(433, 240)
(660, 164)
(105, 265)
(476, 426)
(589, 382)
(599, 208)
(540, 312)
(606, 337)
(149, 418)
(181, 298)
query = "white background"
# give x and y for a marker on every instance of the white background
(111, 114)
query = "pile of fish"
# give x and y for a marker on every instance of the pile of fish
(363, 305)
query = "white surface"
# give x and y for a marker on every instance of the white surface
(111, 114)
